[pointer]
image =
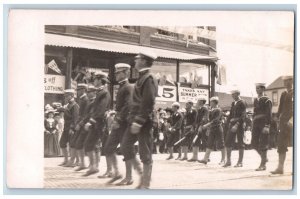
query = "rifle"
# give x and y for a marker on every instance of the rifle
(184, 137)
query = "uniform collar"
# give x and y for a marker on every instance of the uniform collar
(83, 95)
(144, 69)
(123, 81)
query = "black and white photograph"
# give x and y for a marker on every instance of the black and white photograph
(167, 103)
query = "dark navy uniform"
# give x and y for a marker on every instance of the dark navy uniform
(285, 112)
(82, 102)
(216, 133)
(189, 126)
(85, 107)
(201, 119)
(176, 123)
(71, 116)
(261, 118)
(122, 109)
(99, 107)
(236, 117)
(141, 112)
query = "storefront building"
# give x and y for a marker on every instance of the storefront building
(185, 68)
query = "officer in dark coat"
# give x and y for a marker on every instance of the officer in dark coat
(141, 118)
(235, 122)
(80, 143)
(77, 143)
(189, 128)
(173, 134)
(285, 113)
(82, 101)
(262, 115)
(71, 115)
(120, 123)
(97, 120)
(215, 131)
(199, 137)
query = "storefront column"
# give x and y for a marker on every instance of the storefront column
(177, 78)
(111, 65)
(69, 68)
(212, 80)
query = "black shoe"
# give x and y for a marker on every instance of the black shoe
(114, 179)
(63, 163)
(80, 168)
(125, 182)
(192, 160)
(202, 161)
(261, 168)
(106, 175)
(222, 162)
(183, 159)
(239, 164)
(228, 164)
(178, 158)
(169, 158)
(90, 172)
(277, 171)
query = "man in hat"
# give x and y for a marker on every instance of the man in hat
(142, 118)
(236, 121)
(82, 101)
(189, 127)
(199, 137)
(215, 131)
(97, 121)
(285, 113)
(262, 115)
(120, 123)
(175, 128)
(81, 141)
(71, 115)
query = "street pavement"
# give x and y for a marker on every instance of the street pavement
(174, 174)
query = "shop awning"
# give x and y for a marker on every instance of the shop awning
(76, 42)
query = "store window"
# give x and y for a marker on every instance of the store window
(55, 63)
(193, 75)
(165, 72)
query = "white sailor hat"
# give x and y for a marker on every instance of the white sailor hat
(82, 86)
(201, 99)
(69, 91)
(236, 90)
(214, 98)
(146, 53)
(91, 88)
(102, 75)
(260, 84)
(176, 104)
(121, 66)
(190, 101)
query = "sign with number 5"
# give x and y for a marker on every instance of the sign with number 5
(166, 93)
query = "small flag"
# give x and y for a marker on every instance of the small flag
(52, 64)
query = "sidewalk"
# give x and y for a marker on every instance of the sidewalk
(174, 174)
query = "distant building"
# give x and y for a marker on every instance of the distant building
(274, 91)
(226, 100)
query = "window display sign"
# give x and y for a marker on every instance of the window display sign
(167, 93)
(54, 84)
(186, 94)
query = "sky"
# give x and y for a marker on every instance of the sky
(255, 48)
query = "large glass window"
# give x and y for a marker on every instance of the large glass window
(55, 63)
(193, 75)
(165, 72)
